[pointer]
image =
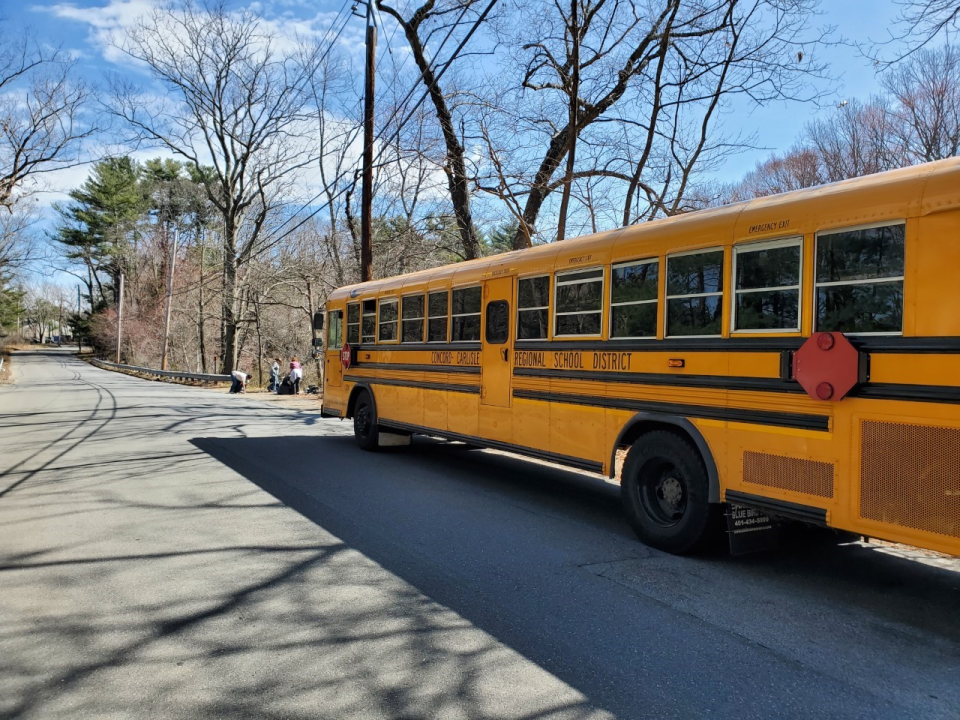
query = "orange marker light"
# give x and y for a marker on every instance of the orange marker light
(675, 362)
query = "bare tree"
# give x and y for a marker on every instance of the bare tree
(43, 305)
(796, 169)
(652, 82)
(337, 106)
(236, 101)
(925, 95)
(918, 24)
(17, 245)
(41, 108)
(917, 120)
(423, 25)
(859, 139)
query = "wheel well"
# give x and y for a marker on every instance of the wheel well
(642, 427)
(642, 424)
(354, 394)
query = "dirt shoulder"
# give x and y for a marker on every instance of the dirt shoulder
(295, 402)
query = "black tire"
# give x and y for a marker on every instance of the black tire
(665, 493)
(365, 428)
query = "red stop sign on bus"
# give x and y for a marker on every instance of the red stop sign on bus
(345, 355)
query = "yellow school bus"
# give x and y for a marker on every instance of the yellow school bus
(794, 357)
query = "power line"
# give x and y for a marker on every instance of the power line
(336, 37)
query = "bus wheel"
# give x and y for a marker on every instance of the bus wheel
(365, 428)
(664, 489)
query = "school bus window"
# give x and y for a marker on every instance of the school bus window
(412, 319)
(533, 308)
(466, 314)
(387, 328)
(353, 323)
(633, 299)
(579, 302)
(369, 327)
(437, 309)
(335, 330)
(767, 290)
(695, 293)
(860, 280)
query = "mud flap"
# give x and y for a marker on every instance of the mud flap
(750, 530)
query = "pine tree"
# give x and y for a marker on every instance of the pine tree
(500, 239)
(98, 226)
(11, 307)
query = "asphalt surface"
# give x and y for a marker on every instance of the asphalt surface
(172, 552)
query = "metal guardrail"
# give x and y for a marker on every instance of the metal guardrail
(205, 377)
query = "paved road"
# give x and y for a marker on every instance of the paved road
(170, 552)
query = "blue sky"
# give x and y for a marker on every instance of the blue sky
(85, 28)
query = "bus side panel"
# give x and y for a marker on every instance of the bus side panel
(403, 404)
(905, 473)
(496, 423)
(435, 409)
(579, 430)
(932, 265)
(387, 402)
(463, 413)
(798, 466)
(532, 420)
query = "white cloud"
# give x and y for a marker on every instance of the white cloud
(107, 24)
(115, 14)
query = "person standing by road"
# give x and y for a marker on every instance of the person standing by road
(275, 376)
(296, 374)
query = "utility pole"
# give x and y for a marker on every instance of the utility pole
(366, 205)
(79, 335)
(119, 317)
(166, 317)
(572, 123)
(60, 324)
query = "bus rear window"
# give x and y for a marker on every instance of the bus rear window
(860, 280)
